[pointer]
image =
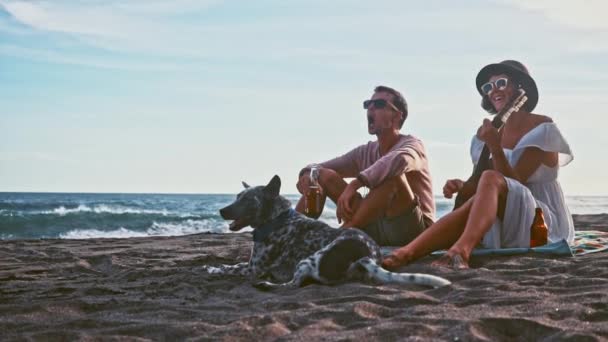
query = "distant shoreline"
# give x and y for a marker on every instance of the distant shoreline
(197, 193)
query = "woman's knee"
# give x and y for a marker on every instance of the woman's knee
(492, 179)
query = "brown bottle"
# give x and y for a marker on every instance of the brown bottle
(538, 230)
(313, 196)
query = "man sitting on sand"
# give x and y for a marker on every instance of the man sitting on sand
(400, 202)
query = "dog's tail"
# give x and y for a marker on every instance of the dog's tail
(379, 274)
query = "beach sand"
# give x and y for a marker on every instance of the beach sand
(153, 288)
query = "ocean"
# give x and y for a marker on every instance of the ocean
(84, 216)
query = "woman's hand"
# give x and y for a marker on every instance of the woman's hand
(489, 135)
(451, 187)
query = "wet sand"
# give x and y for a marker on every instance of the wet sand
(154, 289)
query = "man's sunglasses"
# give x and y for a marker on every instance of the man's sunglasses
(499, 84)
(378, 103)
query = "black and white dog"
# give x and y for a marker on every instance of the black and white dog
(291, 249)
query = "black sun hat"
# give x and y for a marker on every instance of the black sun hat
(517, 72)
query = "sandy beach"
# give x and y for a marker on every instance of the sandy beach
(154, 289)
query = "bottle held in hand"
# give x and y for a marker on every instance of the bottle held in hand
(539, 230)
(313, 196)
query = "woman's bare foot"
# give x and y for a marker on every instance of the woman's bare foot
(398, 258)
(455, 261)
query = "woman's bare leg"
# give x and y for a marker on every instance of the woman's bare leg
(488, 203)
(440, 235)
(460, 230)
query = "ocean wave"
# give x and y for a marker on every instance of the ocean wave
(186, 227)
(108, 209)
(119, 233)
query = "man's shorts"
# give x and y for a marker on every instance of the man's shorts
(399, 230)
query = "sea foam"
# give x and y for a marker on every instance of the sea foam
(103, 209)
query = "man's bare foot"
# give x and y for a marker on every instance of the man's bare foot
(455, 261)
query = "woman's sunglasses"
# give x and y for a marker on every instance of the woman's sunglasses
(499, 84)
(378, 103)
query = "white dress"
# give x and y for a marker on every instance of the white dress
(541, 190)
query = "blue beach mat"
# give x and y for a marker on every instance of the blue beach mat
(585, 242)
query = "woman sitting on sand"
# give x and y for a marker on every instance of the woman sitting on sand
(526, 156)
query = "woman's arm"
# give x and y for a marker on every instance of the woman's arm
(532, 157)
(529, 161)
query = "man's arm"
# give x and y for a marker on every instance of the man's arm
(408, 158)
(345, 165)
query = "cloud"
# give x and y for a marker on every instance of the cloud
(112, 19)
(10, 157)
(183, 32)
(44, 55)
(169, 27)
(584, 14)
(118, 30)
(164, 7)
(104, 34)
(139, 26)
(59, 17)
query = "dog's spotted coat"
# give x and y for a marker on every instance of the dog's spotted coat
(290, 249)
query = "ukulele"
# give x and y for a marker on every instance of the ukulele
(484, 163)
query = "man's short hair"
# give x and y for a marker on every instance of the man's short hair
(398, 101)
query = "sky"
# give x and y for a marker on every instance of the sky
(188, 96)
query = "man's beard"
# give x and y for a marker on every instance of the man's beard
(376, 127)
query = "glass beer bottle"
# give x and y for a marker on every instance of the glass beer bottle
(538, 230)
(313, 196)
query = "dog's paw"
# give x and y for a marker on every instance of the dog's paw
(213, 269)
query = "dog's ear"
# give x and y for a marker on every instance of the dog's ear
(273, 188)
(245, 185)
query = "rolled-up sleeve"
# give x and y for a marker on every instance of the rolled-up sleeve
(347, 165)
(407, 158)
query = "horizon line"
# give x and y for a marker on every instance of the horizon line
(199, 193)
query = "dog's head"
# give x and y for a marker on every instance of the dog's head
(255, 205)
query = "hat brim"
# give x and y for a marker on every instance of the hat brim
(524, 79)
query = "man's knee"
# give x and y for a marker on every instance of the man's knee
(401, 187)
(398, 194)
(394, 184)
(328, 176)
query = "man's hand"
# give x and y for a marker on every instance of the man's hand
(344, 208)
(303, 183)
(451, 187)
